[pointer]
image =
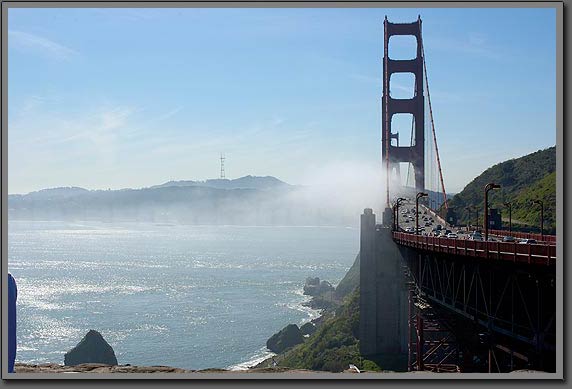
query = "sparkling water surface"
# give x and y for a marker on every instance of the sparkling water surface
(185, 296)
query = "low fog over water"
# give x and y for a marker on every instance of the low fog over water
(336, 195)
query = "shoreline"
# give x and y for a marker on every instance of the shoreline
(317, 319)
(251, 365)
(246, 364)
(98, 368)
(264, 354)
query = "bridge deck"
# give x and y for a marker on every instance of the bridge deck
(525, 235)
(538, 254)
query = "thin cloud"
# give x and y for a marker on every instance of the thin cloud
(474, 44)
(368, 79)
(114, 119)
(169, 114)
(401, 87)
(25, 41)
(108, 123)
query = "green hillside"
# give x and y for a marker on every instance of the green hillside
(350, 281)
(545, 190)
(335, 345)
(522, 180)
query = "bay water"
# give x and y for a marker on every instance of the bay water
(185, 296)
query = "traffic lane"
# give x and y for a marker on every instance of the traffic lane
(408, 220)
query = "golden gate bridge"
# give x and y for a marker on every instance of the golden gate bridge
(440, 303)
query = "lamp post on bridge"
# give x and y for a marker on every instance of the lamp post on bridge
(397, 202)
(488, 187)
(539, 202)
(468, 209)
(509, 206)
(419, 195)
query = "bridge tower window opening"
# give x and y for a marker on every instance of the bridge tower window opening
(401, 124)
(402, 85)
(403, 47)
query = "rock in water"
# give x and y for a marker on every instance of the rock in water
(314, 287)
(288, 337)
(91, 349)
(311, 285)
(325, 287)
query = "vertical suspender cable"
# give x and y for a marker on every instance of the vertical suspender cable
(411, 142)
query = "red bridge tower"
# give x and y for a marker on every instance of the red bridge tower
(392, 155)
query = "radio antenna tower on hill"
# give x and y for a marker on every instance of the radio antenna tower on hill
(222, 166)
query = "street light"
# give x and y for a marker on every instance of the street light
(509, 206)
(397, 202)
(488, 187)
(539, 202)
(468, 209)
(419, 195)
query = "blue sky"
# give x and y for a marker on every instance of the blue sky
(115, 98)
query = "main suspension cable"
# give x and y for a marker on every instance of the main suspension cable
(433, 127)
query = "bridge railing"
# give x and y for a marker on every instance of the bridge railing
(539, 254)
(525, 235)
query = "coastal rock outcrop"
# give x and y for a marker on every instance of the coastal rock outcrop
(308, 328)
(314, 287)
(288, 337)
(91, 349)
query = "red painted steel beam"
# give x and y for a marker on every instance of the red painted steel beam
(539, 254)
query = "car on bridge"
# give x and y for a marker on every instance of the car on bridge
(528, 241)
(452, 235)
(508, 239)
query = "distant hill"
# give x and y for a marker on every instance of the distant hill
(522, 180)
(247, 200)
(55, 193)
(246, 182)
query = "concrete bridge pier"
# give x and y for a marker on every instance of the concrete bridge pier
(383, 331)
